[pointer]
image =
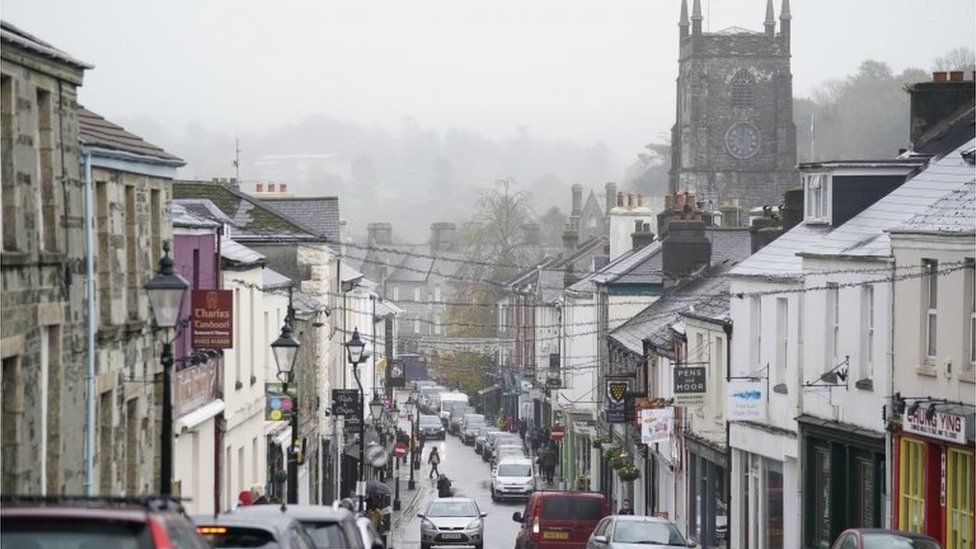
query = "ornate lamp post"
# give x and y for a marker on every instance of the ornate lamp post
(285, 350)
(411, 406)
(354, 348)
(166, 293)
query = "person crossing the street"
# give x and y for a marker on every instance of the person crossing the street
(434, 459)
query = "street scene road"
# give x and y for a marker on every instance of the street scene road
(470, 477)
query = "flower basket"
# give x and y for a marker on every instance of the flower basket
(618, 462)
(628, 472)
(599, 441)
(612, 452)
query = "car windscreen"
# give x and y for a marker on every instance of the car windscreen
(894, 541)
(452, 509)
(67, 533)
(660, 533)
(326, 535)
(237, 537)
(570, 508)
(430, 421)
(515, 470)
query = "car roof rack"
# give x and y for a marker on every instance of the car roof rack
(151, 502)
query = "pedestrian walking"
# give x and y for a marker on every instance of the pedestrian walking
(257, 495)
(434, 459)
(626, 508)
(547, 463)
(521, 428)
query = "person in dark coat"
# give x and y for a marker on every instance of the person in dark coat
(443, 487)
(521, 428)
(626, 508)
(547, 462)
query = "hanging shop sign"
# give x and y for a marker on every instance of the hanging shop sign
(943, 426)
(617, 397)
(278, 404)
(212, 321)
(553, 378)
(689, 386)
(747, 400)
(397, 374)
(345, 402)
(657, 424)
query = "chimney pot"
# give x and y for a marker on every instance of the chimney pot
(620, 200)
(939, 76)
(258, 187)
(282, 187)
(956, 76)
(271, 187)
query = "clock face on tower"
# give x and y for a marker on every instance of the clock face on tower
(742, 140)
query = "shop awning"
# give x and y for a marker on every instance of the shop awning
(198, 417)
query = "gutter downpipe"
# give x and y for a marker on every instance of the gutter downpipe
(889, 439)
(90, 330)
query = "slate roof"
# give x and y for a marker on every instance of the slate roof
(319, 214)
(865, 235)
(12, 34)
(95, 131)
(183, 218)
(271, 280)
(623, 264)
(954, 213)
(248, 218)
(238, 254)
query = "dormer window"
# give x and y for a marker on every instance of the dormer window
(816, 196)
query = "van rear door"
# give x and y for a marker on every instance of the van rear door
(567, 520)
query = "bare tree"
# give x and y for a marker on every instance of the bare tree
(957, 59)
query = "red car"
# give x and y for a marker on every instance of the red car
(876, 538)
(96, 523)
(559, 520)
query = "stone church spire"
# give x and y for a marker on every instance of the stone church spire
(696, 18)
(770, 22)
(683, 22)
(784, 20)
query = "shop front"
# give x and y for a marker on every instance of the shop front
(764, 488)
(933, 474)
(844, 484)
(708, 492)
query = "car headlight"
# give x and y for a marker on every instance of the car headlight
(427, 525)
(475, 524)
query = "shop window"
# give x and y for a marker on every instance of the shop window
(930, 304)
(820, 534)
(772, 472)
(864, 488)
(911, 486)
(959, 499)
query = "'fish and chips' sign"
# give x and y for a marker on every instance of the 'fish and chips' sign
(212, 319)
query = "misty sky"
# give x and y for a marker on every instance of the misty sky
(560, 69)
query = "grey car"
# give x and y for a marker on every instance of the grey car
(454, 522)
(329, 528)
(635, 532)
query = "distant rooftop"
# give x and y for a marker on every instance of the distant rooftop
(95, 131)
(319, 214)
(12, 34)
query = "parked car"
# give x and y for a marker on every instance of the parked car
(512, 478)
(431, 428)
(233, 531)
(470, 426)
(499, 438)
(82, 522)
(370, 536)
(559, 520)
(329, 528)
(877, 538)
(452, 521)
(626, 531)
(481, 441)
(457, 417)
(507, 451)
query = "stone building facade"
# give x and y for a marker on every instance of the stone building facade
(734, 141)
(42, 268)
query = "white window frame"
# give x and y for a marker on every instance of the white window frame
(816, 197)
(970, 282)
(416, 293)
(867, 331)
(437, 293)
(832, 332)
(396, 293)
(416, 324)
(782, 338)
(755, 317)
(930, 308)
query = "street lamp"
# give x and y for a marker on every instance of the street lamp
(411, 406)
(166, 292)
(285, 350)
(355, 347)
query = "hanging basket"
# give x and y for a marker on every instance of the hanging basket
(599, 441)
(612, 452)
(619, 462)
(628, 473)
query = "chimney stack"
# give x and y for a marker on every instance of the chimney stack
(571, 237)
(611, 196)
(531, 234)
(379, 234)
(442, 236)
(642, 235)
(577, 199)
(685, 250)
(933, 101)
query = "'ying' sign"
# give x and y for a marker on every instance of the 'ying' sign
(942, 426)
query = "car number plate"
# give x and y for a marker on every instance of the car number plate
(555, 535)
(451, 536)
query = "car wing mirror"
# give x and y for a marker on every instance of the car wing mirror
(421, 515)
(599, 539)
(692, 544)
(516, 516)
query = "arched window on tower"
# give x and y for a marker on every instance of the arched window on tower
(743, 89)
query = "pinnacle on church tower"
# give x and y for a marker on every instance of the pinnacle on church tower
(696, 18)
(784, 23)
(770, 22)
(683, 22)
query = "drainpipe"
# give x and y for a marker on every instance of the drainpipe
(889, 440)
(90, 330)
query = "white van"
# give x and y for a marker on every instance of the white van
(512, 478)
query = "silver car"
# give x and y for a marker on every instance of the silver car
(635, 532)
(455, 522)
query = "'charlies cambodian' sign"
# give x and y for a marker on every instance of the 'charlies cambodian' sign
(942, 426)
(213, 319)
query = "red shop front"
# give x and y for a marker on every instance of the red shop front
(933, 475)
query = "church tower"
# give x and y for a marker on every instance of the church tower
(734, 140)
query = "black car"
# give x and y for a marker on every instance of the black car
(431, 428)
